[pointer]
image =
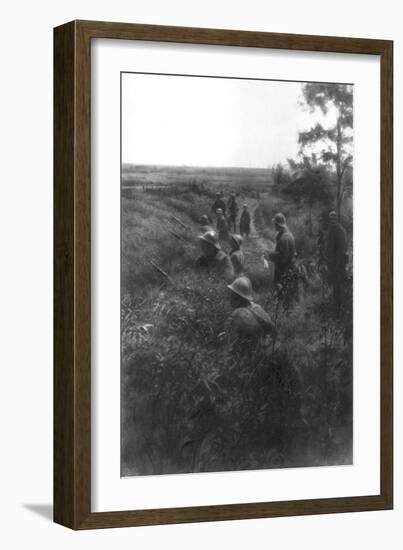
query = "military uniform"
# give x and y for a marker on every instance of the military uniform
(238, 261)
(249, 323)
(233, 211)
(244, 223)
(206, 229)
(286, 274)
(219, 264)
(284, 255)
(218, 203)
(205, 224)
(222, 228)
(236, 255)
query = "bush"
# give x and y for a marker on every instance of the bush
(195, 405)
(281, 175)
(192, 404)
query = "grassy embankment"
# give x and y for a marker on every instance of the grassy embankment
(188, 404)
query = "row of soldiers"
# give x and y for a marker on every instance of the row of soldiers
(227, 216)
(248, 319)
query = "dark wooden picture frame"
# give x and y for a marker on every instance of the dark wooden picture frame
(72, 268)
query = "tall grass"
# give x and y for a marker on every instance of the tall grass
(192, 403)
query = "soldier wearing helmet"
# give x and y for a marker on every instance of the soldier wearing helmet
(213, 257)
(284, 255)
(232, 206)
(222, 226)
(244, 222)
(205, 224)
(218, 203)
(286, 274)
(249, 321)
(236, 255)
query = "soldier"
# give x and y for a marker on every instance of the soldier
(336, 257)
(222, 226)
(249, 322)
(232, 212)
(205, 224)
(218, 203)
(213, 257)
(285, 272)
(284, 255)
(244, 224)
(236, 255)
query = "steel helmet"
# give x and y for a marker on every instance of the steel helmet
(279, 219)
(243, 287)
(204, 219)
(332, 215)
(219, 211)
(238, 240)
(211, 238)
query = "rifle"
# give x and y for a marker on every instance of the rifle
(180, 222)
(176, 235)
(162, 272)
(188, 289)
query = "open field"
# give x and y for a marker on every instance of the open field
(189, 404)
(245, 180)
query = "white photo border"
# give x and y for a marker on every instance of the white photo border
(110, 492)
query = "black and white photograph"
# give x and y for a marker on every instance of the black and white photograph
(205, 351)
(236, 274)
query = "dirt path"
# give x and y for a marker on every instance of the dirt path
(255, 246)
(255, 238)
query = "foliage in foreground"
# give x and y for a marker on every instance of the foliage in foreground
(193, 404)
(189, 401)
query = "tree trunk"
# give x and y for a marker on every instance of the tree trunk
(310, 220)
(339, 173)
(338, 199)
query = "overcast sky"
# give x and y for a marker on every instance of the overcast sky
(198, 121)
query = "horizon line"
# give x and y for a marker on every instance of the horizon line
(199, 166)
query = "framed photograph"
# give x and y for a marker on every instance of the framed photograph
(222, 275)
